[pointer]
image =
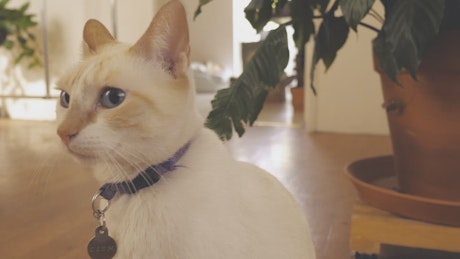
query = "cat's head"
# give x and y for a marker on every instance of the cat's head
(130, 106)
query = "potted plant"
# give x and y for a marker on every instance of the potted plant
(15, 33)
(18, 53)
(416, 52)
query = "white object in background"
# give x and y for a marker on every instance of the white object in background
(209, 77)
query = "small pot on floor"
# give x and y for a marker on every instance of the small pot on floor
(297, 94)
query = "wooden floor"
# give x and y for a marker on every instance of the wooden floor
(45, 196)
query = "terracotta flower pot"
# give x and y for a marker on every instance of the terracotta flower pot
(297, 98)
(424, 121)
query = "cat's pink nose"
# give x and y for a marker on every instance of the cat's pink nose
(66, 136)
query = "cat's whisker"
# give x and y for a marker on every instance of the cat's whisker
(133, 153)
(115, 163)
(140, 171)
(147, 177)
(42, 173)
(115, 168)
(131, 156)
(136, 160)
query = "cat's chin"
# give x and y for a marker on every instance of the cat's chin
(84, 158)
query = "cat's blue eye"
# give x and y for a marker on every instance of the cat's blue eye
(64, 99)
(112, 97)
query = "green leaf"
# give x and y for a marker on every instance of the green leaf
(198, 9)
(28, 52)
(35, 63)
(270, 63)
(388, 6)
(258, 13)
(3, 35)
(279, 4)
(21, 40)
(385, 56)
(451, 20)
(410, 28)
(320, 5)
(26, 22)
(355, 10)
(302, 22)
(24, 8)
(240, 104)
(19, 58)
(8, 44)
(31, 36)
(259, 100)
(219, 119)
(332, 35)
(3, 3)
(14, 32)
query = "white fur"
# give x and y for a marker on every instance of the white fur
(211, 207)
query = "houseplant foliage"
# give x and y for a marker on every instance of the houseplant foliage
(240, 104)
(407, 29)
(16, 35)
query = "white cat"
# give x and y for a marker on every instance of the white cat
(126, 108)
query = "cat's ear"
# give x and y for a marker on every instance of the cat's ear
(96, 35)
(166, 40)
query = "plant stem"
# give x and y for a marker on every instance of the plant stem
(376, 15)
(334, 7)
(369, 27)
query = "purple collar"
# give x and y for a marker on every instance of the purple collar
(145, 178)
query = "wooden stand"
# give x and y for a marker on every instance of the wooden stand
(371, 228)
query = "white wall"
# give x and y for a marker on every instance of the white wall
(349, 96)
(133, 19)
(211, 34)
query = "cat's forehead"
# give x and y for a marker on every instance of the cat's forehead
(95, 67)
(90, 72)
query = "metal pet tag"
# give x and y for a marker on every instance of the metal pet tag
(102, 246)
